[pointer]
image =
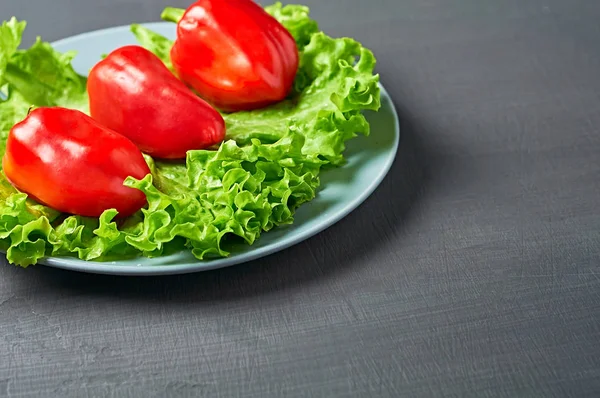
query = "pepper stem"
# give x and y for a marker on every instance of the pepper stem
(172, 14)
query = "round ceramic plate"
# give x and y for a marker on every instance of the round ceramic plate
(342, 190)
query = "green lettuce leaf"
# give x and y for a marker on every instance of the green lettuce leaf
(10, 39)
(172, 14)
(239, 191)
(296, 19)
(268, 166)
(45, 77)
(13, 109)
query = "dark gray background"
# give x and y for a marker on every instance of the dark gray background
(472, 271)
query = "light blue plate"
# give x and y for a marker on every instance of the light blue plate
(343, 189)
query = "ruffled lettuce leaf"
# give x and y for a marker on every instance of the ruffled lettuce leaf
(10, 38)
(40, 74)
(13, 109)
(45, 77)
(268, 166)
(296, 19)
(238, 191)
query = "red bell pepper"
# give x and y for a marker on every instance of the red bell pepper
(133, 93)
(66, 160)
(234, 54)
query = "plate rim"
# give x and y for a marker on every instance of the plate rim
(111, 268)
